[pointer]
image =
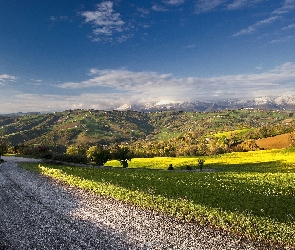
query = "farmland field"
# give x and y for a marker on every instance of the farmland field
(279, 141)
(251, 194)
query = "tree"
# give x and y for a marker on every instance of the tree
(249, 145)
(98, 154)
(201, 163)
(3, 148)
(123, 155)
(76, 150)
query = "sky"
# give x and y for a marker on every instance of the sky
(73, 54)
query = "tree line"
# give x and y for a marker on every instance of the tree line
(97, 155)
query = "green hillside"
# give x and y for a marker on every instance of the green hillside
(91, 127)
(75, 127)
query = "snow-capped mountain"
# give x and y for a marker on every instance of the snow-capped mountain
(285, 100)
(124, 107)
(272, 103)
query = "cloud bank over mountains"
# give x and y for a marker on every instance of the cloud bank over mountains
(147, 85)
(110, 89)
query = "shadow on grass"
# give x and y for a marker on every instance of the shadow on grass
(239, 188)
(259, 167)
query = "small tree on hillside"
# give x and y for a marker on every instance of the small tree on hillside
(123, 155)
(98, 154)
(201, 163)
(3, 148)
(249, 145)
(76, 150)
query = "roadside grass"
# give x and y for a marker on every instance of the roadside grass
(251, 194)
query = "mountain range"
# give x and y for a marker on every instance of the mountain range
(268, 103)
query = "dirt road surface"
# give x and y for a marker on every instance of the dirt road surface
(39, 213)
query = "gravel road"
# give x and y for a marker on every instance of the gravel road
(39, 213)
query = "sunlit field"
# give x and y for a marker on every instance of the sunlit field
(251, 193)
(253, 161)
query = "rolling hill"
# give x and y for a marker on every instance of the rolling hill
(106, 127)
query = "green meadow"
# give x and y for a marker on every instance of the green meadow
(250, 193)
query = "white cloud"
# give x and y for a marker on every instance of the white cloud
(120, 80)
(203, 6)
(238, 4)
(36, 80)
(104, 19)
(174, 2)
(287, 6)
(256, 26)
(7, 78)
(147, 85)
(291, 26)
(208, 5)
(22, 102)
(190, 46)
(143, 11)
(159, 8)
(280, 75)
(282, 39)
(162, 8)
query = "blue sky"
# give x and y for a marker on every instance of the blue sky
(57, 55)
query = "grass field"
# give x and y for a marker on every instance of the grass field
(251, 194)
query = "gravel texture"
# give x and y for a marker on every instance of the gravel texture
(39, 213)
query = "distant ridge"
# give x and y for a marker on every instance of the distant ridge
(263, 103)
(267, 103)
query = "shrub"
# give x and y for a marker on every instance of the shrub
(248, 145)
(201, 163)
(39, 151)
(188, 167)
(72, 158)
(170, 167)
(76, 150)
(43, 152)
(3, 148)
(123, 155)
(98, 154)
